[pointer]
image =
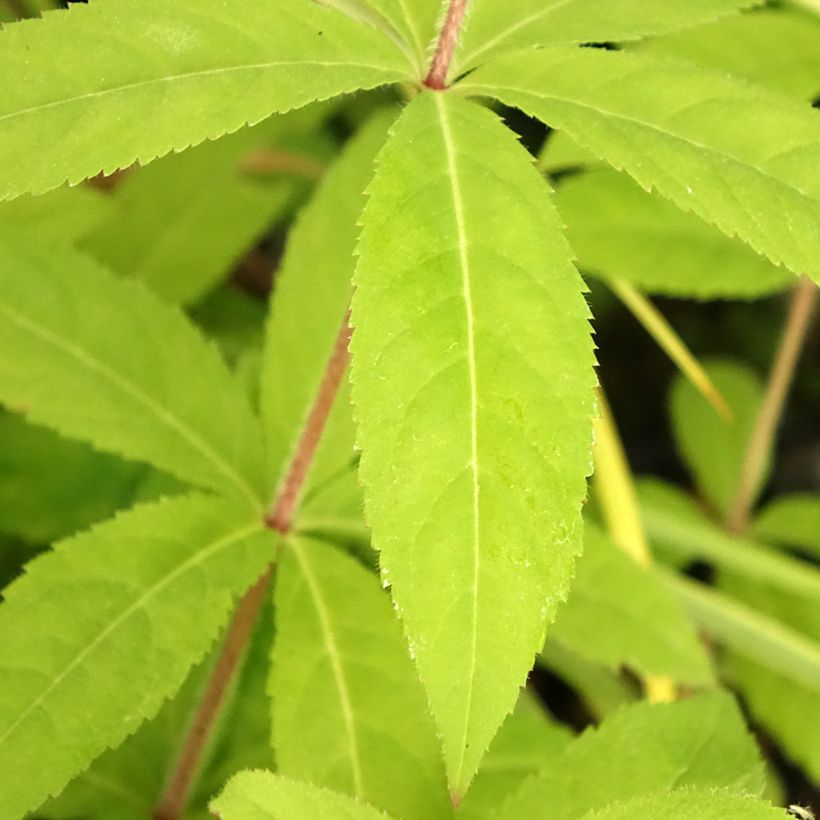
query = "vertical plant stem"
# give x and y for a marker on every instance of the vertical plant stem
(280, 518)
(780, 379)
(440, 66)
(619, 505)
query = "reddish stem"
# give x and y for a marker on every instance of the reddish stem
(437, 76)
(280, 518)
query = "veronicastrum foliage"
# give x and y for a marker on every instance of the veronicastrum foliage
(455, 321)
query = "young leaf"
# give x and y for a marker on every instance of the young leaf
(793, 520)
(702, 742)
(650, 243)
(620, 613)
(312, 294)
(182, 221)
(712, 447)
(473, 387)
(526, 743)
(740, 157)
(348, 710)
(98, 633)
(689, 804)
(495, 28)
(257, 795)
(776, 47)
(179, 73)
(103, 359)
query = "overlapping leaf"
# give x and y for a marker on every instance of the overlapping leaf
(106, 85)
(348, 710)
(473, 391)
(641, 749)
(257, 795)
(741, 157)
(495, 27)
(792, 520)
(620, 613)
(311, 298)
(103, 359)
(619, 230)
(415, 20)
(98, 633)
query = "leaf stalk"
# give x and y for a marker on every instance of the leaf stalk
(448, 38)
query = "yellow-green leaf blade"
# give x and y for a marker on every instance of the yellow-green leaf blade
(103, 86)
(98, 633)
(473, 387)
(739, 156)
(103, 359)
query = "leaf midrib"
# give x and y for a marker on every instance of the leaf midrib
(168, 419)
(458, 212)
(334, 656)
(185, 76)
(199, 557)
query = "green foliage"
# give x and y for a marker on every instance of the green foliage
(125, 609)
(348, 710)
(619, 613)
(257, 795)
(738, 156)
(455, 372)
(701, 742)
(167, 66)
(463, 438)
(712, 447)
(111, 378)
(647, 241)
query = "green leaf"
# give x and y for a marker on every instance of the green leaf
(258, 795)
(103, 359)
(473, 387)
(179, 72)
(51, 487)
(793, 520)
(348, 710)
(713, 448)
(63, 215)
(526, 742)
(676, 524)
(494, 28)
(416, 21)
(180, 223)
(99, 632)
(647, 241)
(620, 613)
(776, 47)
(601, 690)
(127, 783)
(312, 294)
(740, 157)
(701, 741)
(689, 804)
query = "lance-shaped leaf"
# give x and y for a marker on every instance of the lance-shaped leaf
(774, 46)
(701, 742)
(349, 712)
(414, 20)
(154, 77)
(621, 613)
(103, 359)
(619, 230)
(690, 804)
(494, 28)
(791, 520)
(312, 295)
(712, 447)
(99, 632)
(258, 795)
(472, 380)
(741, 157)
